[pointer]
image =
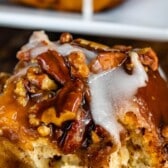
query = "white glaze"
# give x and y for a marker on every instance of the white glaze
(109, 89)
(39, 43)
(38, 36)
(66, 49)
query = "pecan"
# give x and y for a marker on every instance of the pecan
(65, 38)
(54, 65)
(69, 98)
(78, 64)
(91, 45)
(41, 104)
(149, 58)
(75, 134)
(105, 61)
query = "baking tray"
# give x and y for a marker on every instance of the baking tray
(138, 19)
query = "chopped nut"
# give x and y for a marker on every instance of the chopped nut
(65, 38)
(22, 100)
(95, 137)
(34, 108)
(148, 57)
(32, 115)
(91, 44)
(106, 61)
(33, 70)
(42, 103)
(146, 69)
(165, 132)
(43, 130)
(78, 64)
(21, 93)
(130, 119)
(49, 116)
(33, 120)
(20, 88)
(42, 81)
(48, 84)
(130, 66)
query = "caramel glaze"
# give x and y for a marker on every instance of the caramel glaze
(14, 119)
(153, 99)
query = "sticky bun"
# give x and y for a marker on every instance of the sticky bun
(76, 103)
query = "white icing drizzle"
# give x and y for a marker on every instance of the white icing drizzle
(38, 36)
(39, 43)
(66, 49)
(110, 88)
(39, 50)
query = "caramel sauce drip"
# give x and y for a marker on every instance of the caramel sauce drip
(155, 99)
(14, 118)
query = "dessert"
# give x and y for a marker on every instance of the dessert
(73, 5)
(77, 103)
